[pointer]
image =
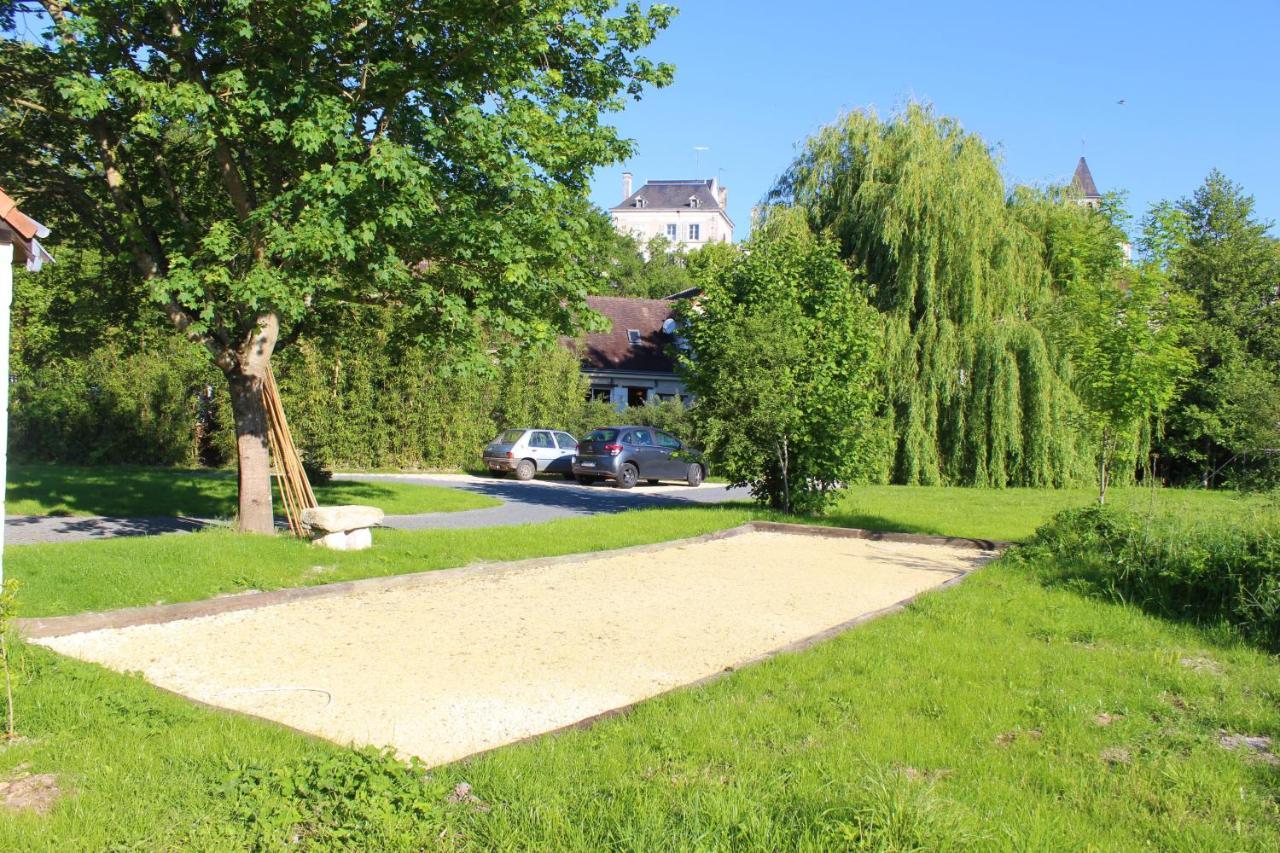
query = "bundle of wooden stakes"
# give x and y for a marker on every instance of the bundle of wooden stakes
(295, 490)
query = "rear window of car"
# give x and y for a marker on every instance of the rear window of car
(601, 435)
(510, 436)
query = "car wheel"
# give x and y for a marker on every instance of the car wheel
(586, 479)
(627, 476)
(526, 469)
(694, 476)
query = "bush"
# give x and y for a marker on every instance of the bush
(1205, 570)
(112, 406)
(351, 799)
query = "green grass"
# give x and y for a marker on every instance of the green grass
(61, 578)
(1012, 515)
(132, 492)
(72, 577)
(968, 721)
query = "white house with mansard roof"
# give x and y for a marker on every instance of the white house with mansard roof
(688, 213)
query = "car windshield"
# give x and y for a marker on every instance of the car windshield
(601, 435)
(510, 436)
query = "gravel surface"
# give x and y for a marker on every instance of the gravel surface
(445, 664)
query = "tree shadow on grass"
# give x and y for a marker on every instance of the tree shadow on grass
(147, 495)
(131, 492)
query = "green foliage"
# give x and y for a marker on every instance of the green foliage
(1176, 567)
(269, 158)
(1126, 338)
(349, 799)
(668, 415)
(139, 402)
(1218, 253)
(266, 164)
(975, 393)
(782, 351)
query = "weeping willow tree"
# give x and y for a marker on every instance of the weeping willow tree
(976, 391)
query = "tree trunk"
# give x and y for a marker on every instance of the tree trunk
(247, 380)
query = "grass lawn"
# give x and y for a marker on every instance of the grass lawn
(137, 492)
(1011, 711)
(72, 577)
(1012, 515)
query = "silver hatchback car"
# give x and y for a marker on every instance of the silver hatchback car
(531, 451)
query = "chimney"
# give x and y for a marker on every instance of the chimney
(724, 198)
(626, 185)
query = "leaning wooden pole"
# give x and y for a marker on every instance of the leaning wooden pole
(291, 477)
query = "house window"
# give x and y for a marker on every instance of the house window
(633, 335)
(694, 232)
(693, 201)
(603, 394)
(672, 230)
(639, 202)
(637, 396)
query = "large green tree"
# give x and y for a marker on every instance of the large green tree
(1126, 335)
(976, 392)
(1219, 253)
(260, 161)
(782, 350)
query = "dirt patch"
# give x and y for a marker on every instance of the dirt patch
(1006, 738)
(1202, 664)
(445, 664)
(1105, 719)
(29, 792)
(1257, 746)
(1116, 755)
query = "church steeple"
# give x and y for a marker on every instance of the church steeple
(1083, 182)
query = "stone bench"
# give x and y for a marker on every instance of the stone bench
(342, 528)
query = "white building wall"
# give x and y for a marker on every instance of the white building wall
(647, 223)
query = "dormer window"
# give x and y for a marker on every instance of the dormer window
(639, 202)
(694, 201)
(633, 335)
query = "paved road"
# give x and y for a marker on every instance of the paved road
(532, 502)
(542, 500)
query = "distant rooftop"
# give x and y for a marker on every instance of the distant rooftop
(671, 195)
(1083, 180)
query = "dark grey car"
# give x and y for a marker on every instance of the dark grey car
(629, 454)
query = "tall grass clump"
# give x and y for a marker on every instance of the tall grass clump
(1208, 569)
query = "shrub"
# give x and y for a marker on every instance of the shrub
(1206, 570)
(351, 799)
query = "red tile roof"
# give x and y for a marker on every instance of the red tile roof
(16, 219)
(613, 350)
(27, 230)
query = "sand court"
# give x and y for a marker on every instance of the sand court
(445, 664)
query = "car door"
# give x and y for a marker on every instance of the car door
(644, 454)
(672, 463)
(542, 447)
(567, 448)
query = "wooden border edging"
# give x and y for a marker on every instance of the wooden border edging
(39, 627)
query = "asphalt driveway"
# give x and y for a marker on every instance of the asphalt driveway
(529, 502)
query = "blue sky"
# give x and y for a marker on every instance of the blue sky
(754, 78)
